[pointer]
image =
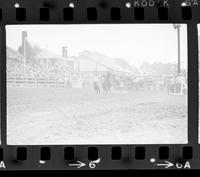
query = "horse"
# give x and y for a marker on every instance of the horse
(96, 87)
(105, 86)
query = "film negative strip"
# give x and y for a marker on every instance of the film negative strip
(99, 84)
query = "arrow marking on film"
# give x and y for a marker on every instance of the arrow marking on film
(78, 164)
(166, 164)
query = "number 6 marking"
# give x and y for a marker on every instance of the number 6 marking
(92, 164)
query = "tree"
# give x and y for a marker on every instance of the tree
(30, 52)
(159, 69)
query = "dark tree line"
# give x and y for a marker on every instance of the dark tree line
(31, 51)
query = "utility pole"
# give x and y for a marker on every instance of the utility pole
(24, 37)
(177, 27)
(24, 56)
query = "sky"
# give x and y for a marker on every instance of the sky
(136, 43)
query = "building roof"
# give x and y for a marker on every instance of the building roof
(11, 53)
(103, 60)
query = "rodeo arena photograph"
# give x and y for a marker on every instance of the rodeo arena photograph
(96, 84)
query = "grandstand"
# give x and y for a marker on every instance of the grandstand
(50, 72)
(14, 62)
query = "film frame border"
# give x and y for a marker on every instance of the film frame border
(176, 14)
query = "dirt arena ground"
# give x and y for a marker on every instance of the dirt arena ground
(76, 116)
